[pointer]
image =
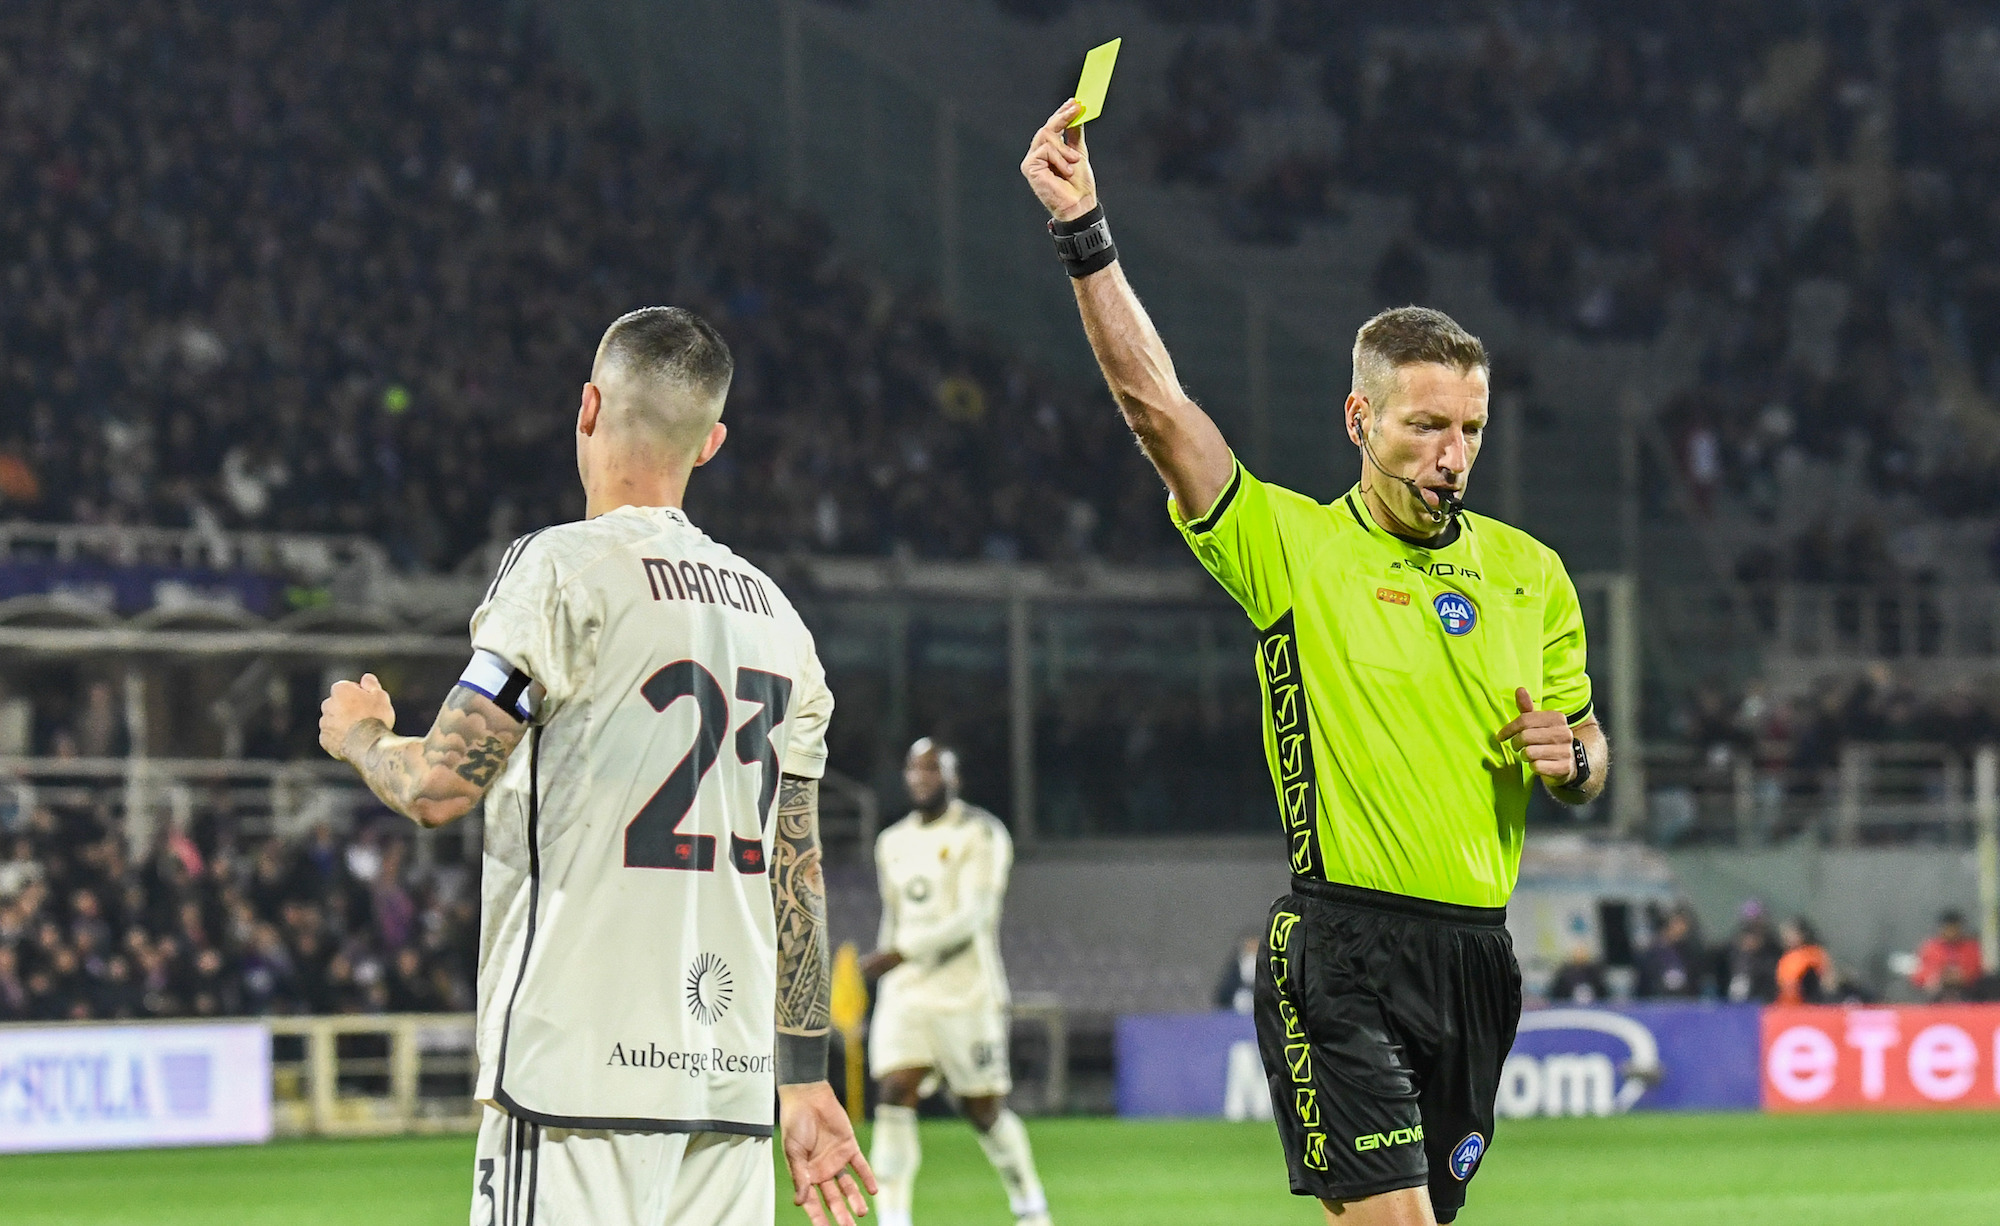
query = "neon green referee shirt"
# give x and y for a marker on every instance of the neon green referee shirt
(1386, 667)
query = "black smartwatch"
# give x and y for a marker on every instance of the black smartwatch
(1582, 765)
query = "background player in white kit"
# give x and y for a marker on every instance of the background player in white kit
(941, 1006)
(653, 965)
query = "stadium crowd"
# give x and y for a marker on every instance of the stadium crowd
(1807, 187)
(211, 926)
(1759, 962)
(328, 268)
(341, 267)
(1806, 732)
(1764, 962)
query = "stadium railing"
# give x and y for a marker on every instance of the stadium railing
(375, 1074)
(1045, 1013)
(287, 799)
(381, 1074)
(313, 557)
(1876, 792)
(149, 795)
(1037, 670)
(1902, 621)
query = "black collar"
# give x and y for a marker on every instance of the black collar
(1447, 537)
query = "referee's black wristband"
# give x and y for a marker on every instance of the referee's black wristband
(1582, 759)
(1084, 244)
(802, 1058)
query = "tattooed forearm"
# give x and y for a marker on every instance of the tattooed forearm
(483, 761)
(440, 777)
(798, 893)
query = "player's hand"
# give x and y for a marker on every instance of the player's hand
(819, 1149)
(348, 705)
(1542, 739)
(880, 963)
(1058, 166)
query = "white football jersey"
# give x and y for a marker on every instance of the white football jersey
(628, 952)
(943, 883)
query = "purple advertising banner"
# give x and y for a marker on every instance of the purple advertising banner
(1635, 1057)
(134, 589)
(1189, 1064)
(1565, 1061)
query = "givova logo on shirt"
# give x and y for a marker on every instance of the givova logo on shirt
(1456, 613)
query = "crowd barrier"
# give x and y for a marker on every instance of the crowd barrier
(101, 1085)
(1637, 1057)
(105, 1085)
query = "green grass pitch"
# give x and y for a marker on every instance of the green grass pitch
(1940, 1170)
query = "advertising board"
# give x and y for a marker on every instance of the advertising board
(1646, 1057)
(141, 586)
(1190, 1064)
(1570, 1061)
(1912, 1057)
(116, 1087)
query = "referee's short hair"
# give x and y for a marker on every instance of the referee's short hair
(1407, 336)
(676, 366)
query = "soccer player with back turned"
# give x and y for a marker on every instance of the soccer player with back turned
(644, 719)
(1422, 667)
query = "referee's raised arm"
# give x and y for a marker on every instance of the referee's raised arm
(1180, 439)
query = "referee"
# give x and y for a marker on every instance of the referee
(1421, 667)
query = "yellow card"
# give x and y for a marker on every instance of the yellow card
(1095, 80)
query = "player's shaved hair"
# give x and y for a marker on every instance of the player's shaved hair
(664, 372)
(1410, 336)
(947, 759)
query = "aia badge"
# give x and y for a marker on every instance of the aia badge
(1465, 1156)
(1456, 613)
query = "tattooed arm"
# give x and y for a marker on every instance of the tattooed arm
(805, 966)
(433, 779)
(820, 1149)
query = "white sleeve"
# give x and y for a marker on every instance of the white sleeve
(885, 934)
(805, 750)
(984, 886)
(527, 623)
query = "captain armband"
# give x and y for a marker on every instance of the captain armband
(512, 690)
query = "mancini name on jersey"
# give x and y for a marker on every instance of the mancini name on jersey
(691, 580)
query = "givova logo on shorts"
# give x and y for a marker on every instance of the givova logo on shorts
(1383, 1140)
(1298, 1050)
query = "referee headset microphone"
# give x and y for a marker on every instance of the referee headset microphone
(1450, 501)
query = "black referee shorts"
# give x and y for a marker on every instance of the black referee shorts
(1383, 1021)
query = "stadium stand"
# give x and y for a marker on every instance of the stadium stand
(327, 268)
(1807, 185)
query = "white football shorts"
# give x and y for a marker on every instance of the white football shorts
(527, 1175)
(967, 1047)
